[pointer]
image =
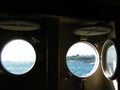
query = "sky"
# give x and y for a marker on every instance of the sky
(80, 48)
(18, 50)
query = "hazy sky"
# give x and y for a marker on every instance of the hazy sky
(18, 50)
(81, 49)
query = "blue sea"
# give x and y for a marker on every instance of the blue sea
(76, 67)
(17, 67)
(79, 68)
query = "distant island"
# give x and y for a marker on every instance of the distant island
(82, 58)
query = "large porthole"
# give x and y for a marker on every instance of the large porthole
(82, 59)
(18, 57)
(110, 58)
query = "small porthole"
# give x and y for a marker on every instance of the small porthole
(110, 59)
(18, 57)
(82, 59)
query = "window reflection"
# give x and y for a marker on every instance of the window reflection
(115, 83)
(111, 60)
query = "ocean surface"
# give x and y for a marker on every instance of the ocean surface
(79, 68)
(17, 67)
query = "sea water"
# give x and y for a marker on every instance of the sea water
(79, 68)
(17, 67)
(76, 67)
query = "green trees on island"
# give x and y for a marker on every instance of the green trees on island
(81, 57)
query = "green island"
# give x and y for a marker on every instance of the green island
(82, 58)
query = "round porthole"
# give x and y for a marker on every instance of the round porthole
(110, 58)
(82, 59)
(18, 57)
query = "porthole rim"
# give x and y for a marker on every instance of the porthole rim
(115, 43)
(29, 41)
(94, 68)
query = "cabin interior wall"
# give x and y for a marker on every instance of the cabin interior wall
(56, 39)
(36, 78)
(66, 39)
(69, 82)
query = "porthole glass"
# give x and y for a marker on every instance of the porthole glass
(109, 59)
(82, 59)
(18, 57)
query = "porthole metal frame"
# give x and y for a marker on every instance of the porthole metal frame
(18, 38)
(96, 61)
(107, 44)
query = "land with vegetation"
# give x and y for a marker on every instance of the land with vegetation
(82, 58)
